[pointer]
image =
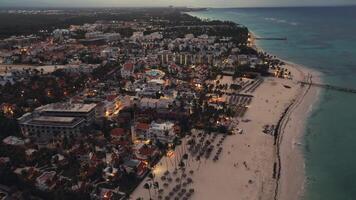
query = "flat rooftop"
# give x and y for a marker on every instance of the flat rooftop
(67, 107)
(54, 119)
(162, 126)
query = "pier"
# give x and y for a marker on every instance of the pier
(271, 38)
(330, 87)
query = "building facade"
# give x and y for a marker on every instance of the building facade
(57, 119)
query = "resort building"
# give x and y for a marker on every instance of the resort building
(85, 111)
(242, 60)
(163, 132)
(49, 126)
(146, 103)
(57, 119)
(166, 57)
(185, 59)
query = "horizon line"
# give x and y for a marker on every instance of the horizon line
(187, 7)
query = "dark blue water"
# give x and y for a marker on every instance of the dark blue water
(322, 38)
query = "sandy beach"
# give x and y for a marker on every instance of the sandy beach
(245, 169)
(292, 179)
(254, 165)
(292, 175)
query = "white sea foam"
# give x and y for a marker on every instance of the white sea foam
(281, 21)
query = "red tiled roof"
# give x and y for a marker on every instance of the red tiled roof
(117, 132)
(111, 97)
(122, 143)
(128, 66)
(142, 126)
(146, 151)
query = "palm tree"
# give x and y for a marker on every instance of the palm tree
(148, 187)
(185, 157)
(154, 184)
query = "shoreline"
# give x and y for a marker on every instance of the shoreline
(290, 158)
(247, 167)
(292, 180)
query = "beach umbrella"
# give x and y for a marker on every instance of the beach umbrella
(175, 189)
(189, 180)
(178, 187)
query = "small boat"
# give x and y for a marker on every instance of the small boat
(298, 143)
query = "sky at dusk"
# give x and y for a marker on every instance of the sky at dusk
(188, 3)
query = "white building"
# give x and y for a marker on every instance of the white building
(154, 36)
(242, 59)
(146, 103)
(85, 111)
(162, 131)
(137, 35)
(87, 69)
(110, 52)
(47, 126)
(254, 60)
(189, 36)
(92, 35)
(110, 37)
(57, 119)
(61, 34)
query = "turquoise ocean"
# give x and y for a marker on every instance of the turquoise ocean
(324, 39)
